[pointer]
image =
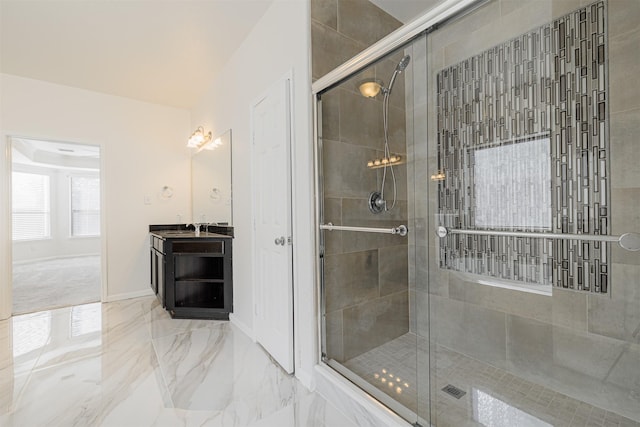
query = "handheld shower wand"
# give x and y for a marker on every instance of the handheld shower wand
(402, 65)
(377, 202)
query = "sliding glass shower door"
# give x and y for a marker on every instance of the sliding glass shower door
(534, 306)
(366, 154)
(504, 141)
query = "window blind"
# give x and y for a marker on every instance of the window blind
(85, 206)
(31, 206)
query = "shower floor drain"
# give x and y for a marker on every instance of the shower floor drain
(454, 391)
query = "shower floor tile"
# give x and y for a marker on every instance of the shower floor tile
(381, 368)
(492, 396)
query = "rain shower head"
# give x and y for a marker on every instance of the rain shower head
(402, 65)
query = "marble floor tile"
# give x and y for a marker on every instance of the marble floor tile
(128, 363)
(219, 368)
(310, 411)
(161, 324)
(110, 389)
(61, 395)
(124, 325)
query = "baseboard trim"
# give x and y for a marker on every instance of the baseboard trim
(305, 378)
(52, 258)
(242, 326)
(129, 295)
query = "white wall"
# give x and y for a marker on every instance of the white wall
(279, 43)
(142, 150)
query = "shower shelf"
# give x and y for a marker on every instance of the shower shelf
(628, 241)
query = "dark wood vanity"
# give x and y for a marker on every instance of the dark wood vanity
(192, 274)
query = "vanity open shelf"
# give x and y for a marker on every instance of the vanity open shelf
(192, 275)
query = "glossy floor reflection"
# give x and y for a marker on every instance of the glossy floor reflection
(128, 363)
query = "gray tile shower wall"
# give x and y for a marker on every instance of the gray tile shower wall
(366, 295)
(375, 322)
(342, 28)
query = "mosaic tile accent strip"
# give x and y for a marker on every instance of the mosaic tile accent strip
(523, 146)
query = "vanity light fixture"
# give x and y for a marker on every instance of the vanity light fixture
(199, 139)
(369, 88)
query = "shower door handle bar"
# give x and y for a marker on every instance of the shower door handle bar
(400, 230)
(628, 241)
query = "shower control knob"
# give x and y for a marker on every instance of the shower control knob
(280, 241)
(442, 231)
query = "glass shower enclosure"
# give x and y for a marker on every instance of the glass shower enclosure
(478, 199)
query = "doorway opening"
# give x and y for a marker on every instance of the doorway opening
(56, 226)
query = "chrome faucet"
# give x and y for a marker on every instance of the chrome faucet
(198, 225)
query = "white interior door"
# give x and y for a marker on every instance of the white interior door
(272, 221)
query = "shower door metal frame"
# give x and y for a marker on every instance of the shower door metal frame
(403, 36)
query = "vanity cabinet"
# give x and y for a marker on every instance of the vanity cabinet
(192, 275)
(157, 267)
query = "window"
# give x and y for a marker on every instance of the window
(85, 206)
(31, 206)
(513, 185)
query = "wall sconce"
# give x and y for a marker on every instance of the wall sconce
(198, 139)
(369, 88)
(393, 159)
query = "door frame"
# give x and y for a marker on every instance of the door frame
(287, 77)
(6, 244)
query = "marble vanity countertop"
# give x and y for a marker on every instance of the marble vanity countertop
(181, 231)
(188, 234)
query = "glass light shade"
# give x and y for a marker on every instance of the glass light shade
(198, 138)
(370, 88)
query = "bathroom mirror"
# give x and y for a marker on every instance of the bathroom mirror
(211, 182)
